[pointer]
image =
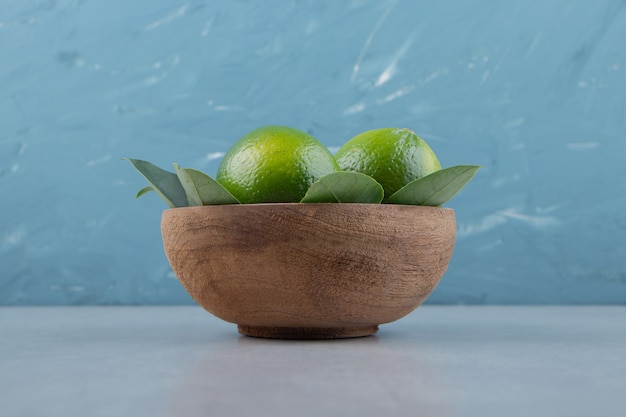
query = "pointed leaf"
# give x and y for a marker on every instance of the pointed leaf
(165, 183)
(345, 187)
(203, 190)
(144, 190)
(435, 189)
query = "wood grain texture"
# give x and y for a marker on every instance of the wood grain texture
(309, 266)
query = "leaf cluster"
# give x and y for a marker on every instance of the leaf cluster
(189, 187)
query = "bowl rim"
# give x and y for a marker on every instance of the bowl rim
(291, 205)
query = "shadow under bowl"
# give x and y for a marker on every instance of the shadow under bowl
(309, 271)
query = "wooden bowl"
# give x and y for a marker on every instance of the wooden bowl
(309, 271)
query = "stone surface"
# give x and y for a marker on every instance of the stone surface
(439, 361)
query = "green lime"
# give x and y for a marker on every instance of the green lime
(393, 157)
(274, 164)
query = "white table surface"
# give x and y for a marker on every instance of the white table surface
(438, 361)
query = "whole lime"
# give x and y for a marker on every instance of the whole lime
(393, 157)
(274, 164)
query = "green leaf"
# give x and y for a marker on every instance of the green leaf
(144, 190)
(203, 190)
(165, 183)
(345, 187)
(435, 189)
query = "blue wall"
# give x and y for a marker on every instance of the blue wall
(535, 91)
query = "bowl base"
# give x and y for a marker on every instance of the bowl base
(307, 332)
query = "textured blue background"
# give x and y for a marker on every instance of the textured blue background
(535, 91)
